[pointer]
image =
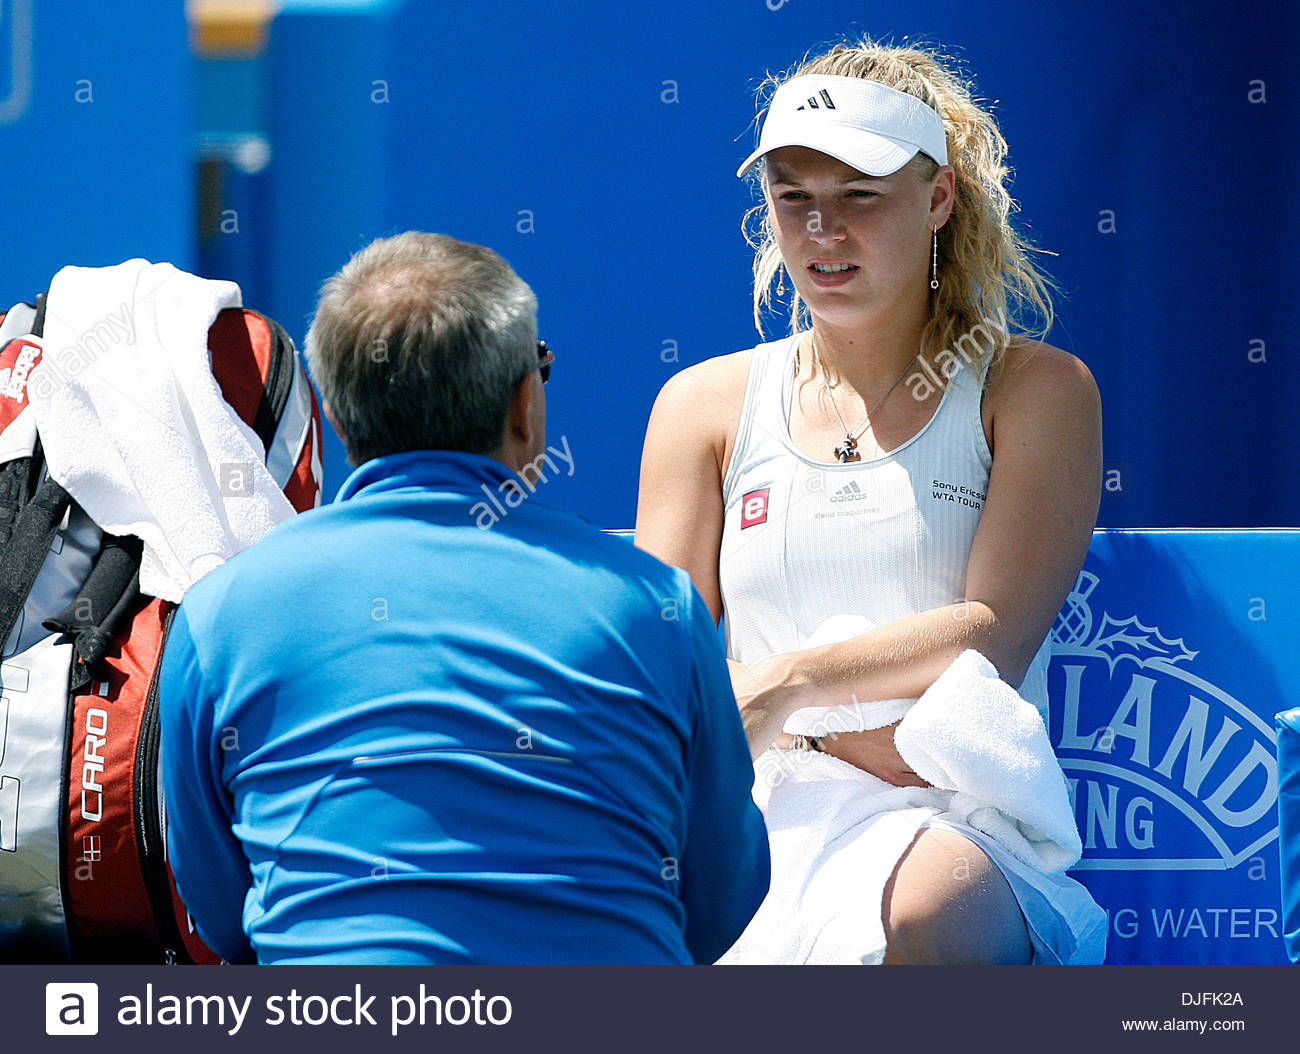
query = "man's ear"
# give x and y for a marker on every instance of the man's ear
(519, 417)
(328, 411)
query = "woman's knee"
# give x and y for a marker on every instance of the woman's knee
(947, 902)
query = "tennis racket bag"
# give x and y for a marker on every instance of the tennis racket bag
(83, 867)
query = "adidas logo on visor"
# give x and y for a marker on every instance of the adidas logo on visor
(812, 103)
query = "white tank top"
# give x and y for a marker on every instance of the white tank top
(823, 551)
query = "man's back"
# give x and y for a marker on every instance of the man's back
(442, 743)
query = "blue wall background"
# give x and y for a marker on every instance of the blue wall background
(96, 123)
(498, 108)
(595, 149)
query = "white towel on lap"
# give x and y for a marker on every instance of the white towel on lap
(134, 425)
(971, 733)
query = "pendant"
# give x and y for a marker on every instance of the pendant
(848, 451)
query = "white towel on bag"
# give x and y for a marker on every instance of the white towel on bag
(134, 425)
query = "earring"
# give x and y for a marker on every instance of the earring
(934, 260)
(780, 280)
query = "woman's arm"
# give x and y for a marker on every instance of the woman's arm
(679, 505)
(1033, 534)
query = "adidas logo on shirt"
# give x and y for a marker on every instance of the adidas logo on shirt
(852, 492)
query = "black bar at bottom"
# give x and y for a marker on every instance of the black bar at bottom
(627, 1010)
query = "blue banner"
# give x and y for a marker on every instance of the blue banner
(1169, 659)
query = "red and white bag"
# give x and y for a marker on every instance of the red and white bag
(83, 868)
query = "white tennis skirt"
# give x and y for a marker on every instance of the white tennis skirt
(837, 833)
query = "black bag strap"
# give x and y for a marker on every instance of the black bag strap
(15, 492)
(30, 540)
(109, 593)
(38, 323)
(19, 479)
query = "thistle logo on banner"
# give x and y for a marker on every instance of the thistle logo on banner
(1167, 771)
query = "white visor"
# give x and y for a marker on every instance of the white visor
(870, 126)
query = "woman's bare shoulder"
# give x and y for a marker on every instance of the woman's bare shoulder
(707, 395)
(1032, 373)
(721, 377)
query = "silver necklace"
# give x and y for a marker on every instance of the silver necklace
(848, 450)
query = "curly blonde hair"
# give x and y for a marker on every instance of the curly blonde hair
(988, 282)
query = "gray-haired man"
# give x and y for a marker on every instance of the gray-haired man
(399, 729)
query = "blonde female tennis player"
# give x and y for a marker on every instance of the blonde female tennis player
(911, 467)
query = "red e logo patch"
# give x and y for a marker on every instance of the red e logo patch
(753, 508)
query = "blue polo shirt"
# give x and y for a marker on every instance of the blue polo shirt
(402, 730)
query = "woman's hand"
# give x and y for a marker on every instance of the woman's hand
(763, 699)
(873, 752)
